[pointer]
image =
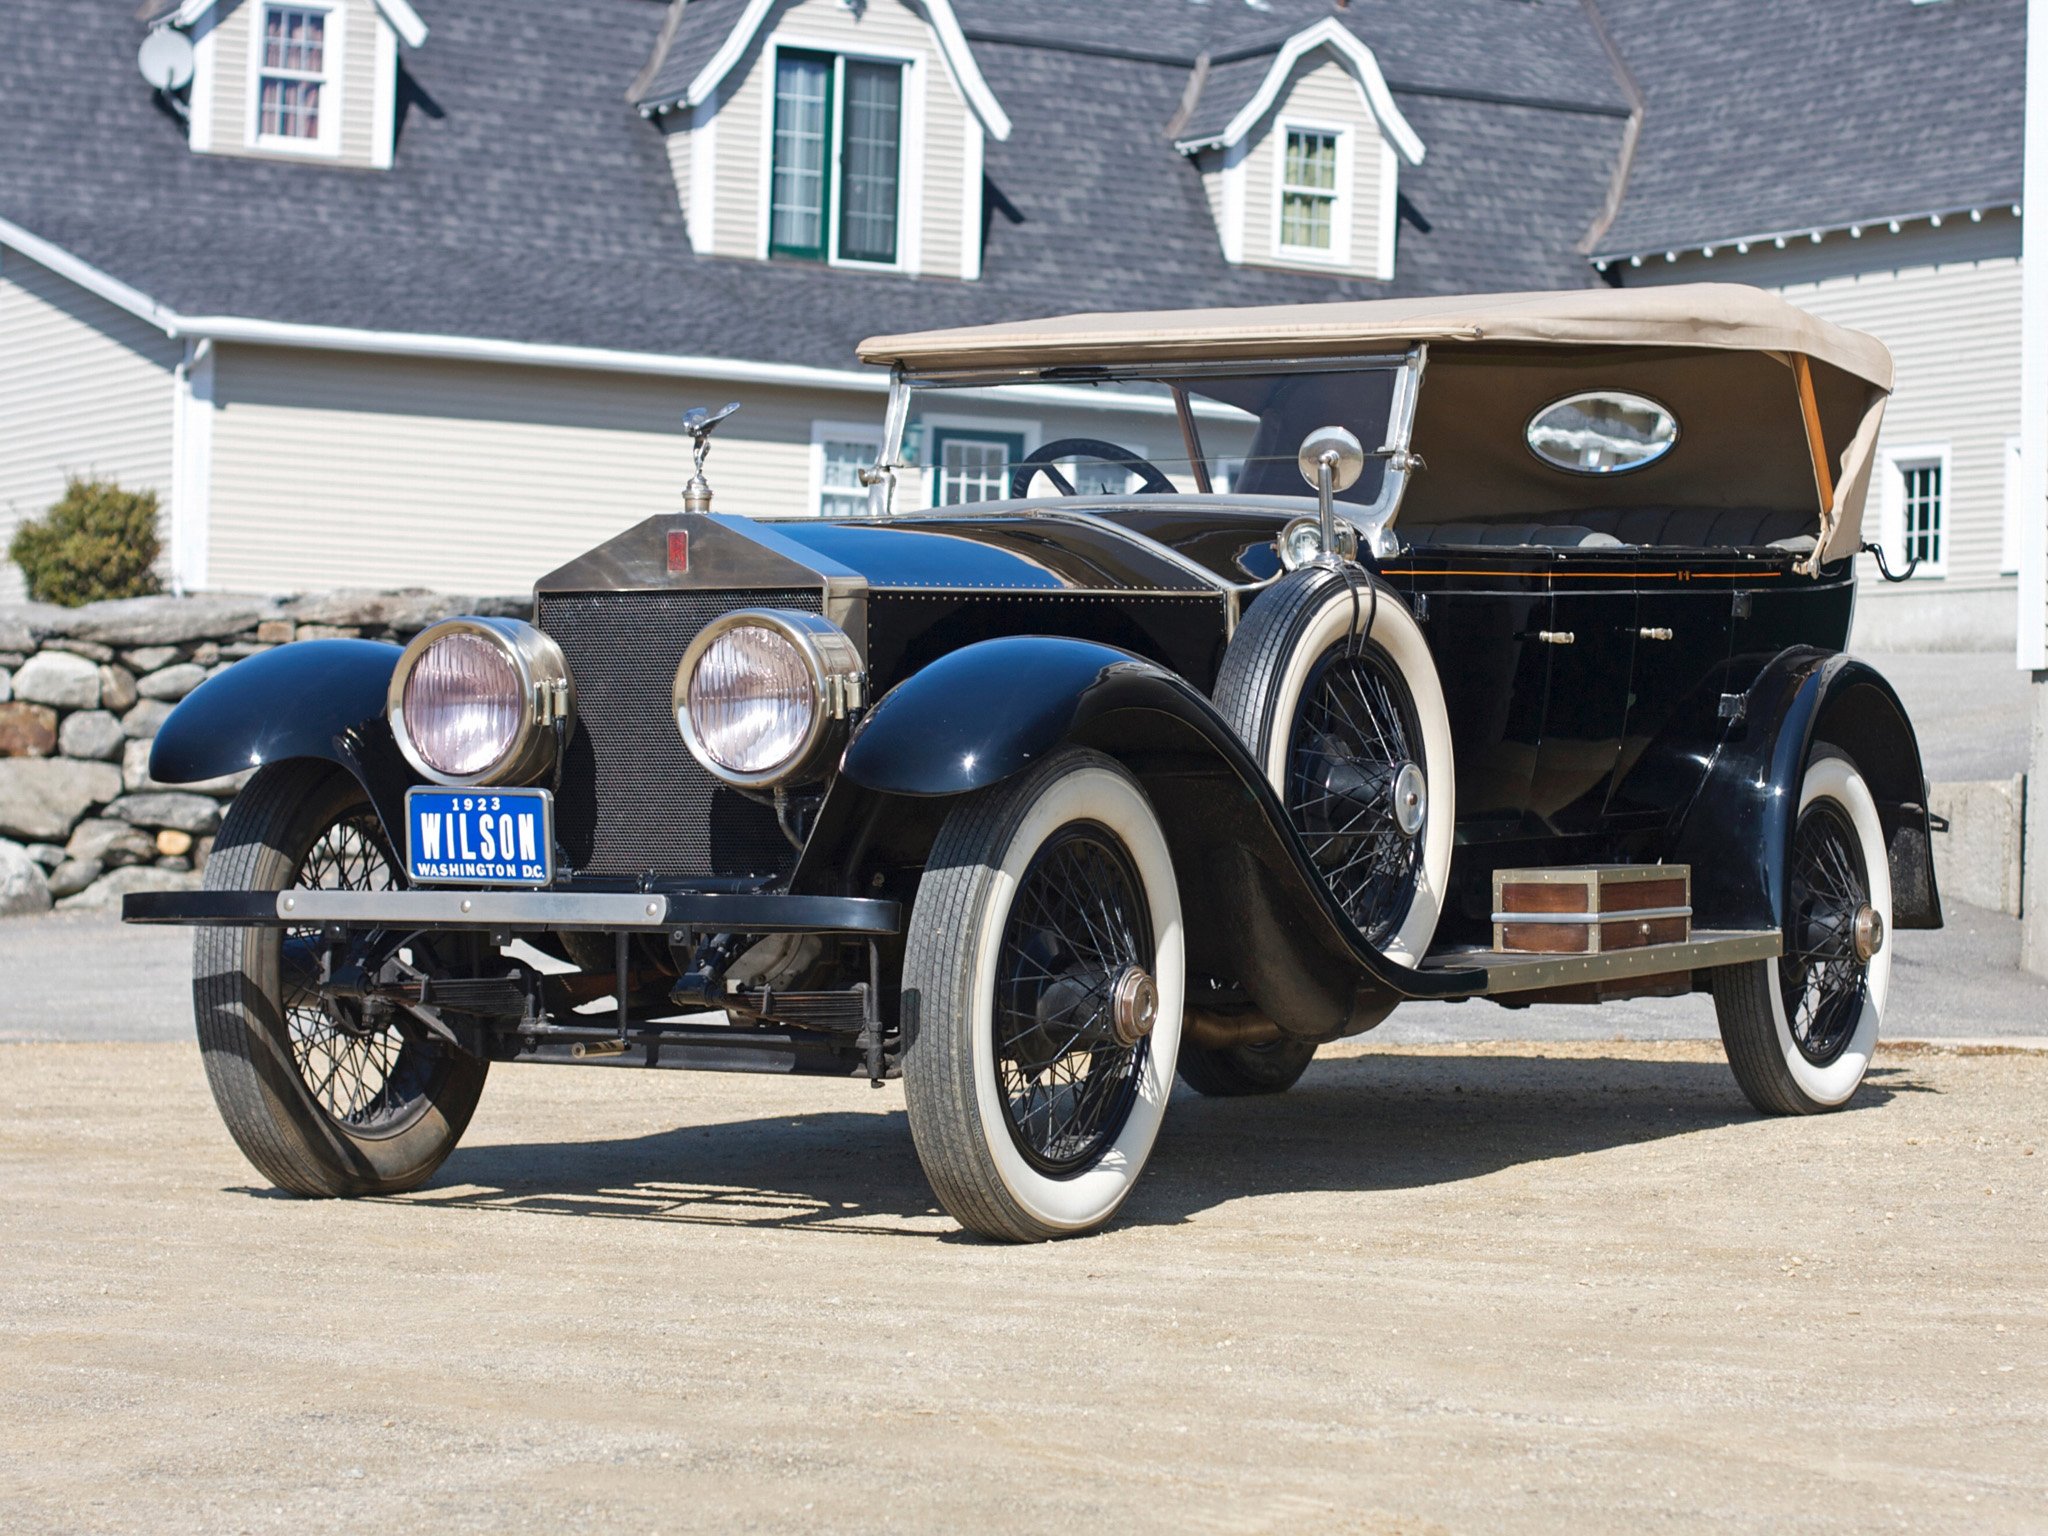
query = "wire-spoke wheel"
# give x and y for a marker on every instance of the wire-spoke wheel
(1357, 790)
(322, 1096)
(1800, 1029)
(1042, 993)
(1330, 683)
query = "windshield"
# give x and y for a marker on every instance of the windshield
(1211, 433)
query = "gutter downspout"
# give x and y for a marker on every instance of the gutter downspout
(191, 463)
(2031, 651)
(1617, 187)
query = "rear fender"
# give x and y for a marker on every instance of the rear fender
(1739, 827)
(319, 699)
(1256, 911)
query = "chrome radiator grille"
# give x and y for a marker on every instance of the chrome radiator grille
(632, 800)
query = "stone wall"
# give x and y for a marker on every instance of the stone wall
(82, 693)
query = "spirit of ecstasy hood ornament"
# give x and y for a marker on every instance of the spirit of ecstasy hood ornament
(698, 422)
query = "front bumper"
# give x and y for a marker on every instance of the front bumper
(520, 911)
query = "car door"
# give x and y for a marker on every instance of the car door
(1591, 637)
(1683, 629)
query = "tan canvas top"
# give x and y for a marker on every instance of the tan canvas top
(1726, 316)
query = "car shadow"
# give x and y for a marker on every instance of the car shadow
(1386, 1121)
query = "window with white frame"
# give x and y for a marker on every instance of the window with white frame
(1917, 489)
(972, 465)
(293, 96)
(839, 453)
(835, 183)
(1311, 195)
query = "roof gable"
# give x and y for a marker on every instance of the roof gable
(1239, 92)
(405, 21)
(707, 39)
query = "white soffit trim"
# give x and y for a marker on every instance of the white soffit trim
(1332, 34)
(405, 21)
(483, 349)
(938, 15)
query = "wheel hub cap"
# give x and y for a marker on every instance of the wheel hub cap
(1134, 1005)
(1868, 932)
(1411, 799)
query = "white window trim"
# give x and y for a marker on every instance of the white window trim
(1342, 201)
(2014, 538)
(1895, 460)
(933, 422)
(333, 81)
(910, 170)
(838, 432)
(383, 93)
(1390, 211)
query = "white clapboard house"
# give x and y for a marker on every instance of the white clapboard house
(381, 292)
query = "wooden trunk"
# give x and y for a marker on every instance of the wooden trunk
(1590, 909)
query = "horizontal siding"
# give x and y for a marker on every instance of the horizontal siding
(1954, 333)
(86, 389)
(334, 470)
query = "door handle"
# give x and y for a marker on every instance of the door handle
(1557, 637)
(1659, 633)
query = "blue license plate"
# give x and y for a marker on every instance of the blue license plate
(479, 836)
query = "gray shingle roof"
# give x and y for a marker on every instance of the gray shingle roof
(530, 202)
(1519, 49)
(1769, 116)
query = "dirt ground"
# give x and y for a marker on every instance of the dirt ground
(1511, 1286)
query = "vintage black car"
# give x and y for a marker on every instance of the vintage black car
(1042, 801)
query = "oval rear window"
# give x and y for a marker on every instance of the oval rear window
(1602, 432)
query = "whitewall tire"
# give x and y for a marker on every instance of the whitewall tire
(1043, 983)
(1314, 634)
(1800, 1030)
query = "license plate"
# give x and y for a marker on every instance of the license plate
(479, 836)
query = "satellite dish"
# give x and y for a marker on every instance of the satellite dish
(166, 59)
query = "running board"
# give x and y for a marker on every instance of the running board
(1706, 949)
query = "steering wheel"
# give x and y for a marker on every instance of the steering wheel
(1042, 458)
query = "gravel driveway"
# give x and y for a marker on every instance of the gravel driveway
(1510, 1287)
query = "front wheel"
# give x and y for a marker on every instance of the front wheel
(325, 1096)
(1043, 981)
(1800, 1029)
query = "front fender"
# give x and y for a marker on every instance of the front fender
(1739, 827)
(1257, 912)
(320, 699)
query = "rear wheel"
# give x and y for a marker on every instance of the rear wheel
(1042, 993)
(1799, 1030)
(324, 1098)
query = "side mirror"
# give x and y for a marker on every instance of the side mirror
(1331, 459)
(1337, 449)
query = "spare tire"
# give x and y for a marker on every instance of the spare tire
(1331, 685)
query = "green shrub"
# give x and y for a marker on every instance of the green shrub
(98, 541)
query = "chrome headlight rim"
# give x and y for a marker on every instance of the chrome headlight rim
(838, 681)
(547, 693)
(1347, 542)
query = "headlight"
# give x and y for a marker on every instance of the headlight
(475, 701)
(1301, 542)
(762, 695)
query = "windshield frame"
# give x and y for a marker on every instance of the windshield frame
(1069, 385)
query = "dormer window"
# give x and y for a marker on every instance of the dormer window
(295, 90)
(836, 176)
(1311, 211)
(293, 71)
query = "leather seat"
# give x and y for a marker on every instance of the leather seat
(1497, 535)
(1628, 528)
